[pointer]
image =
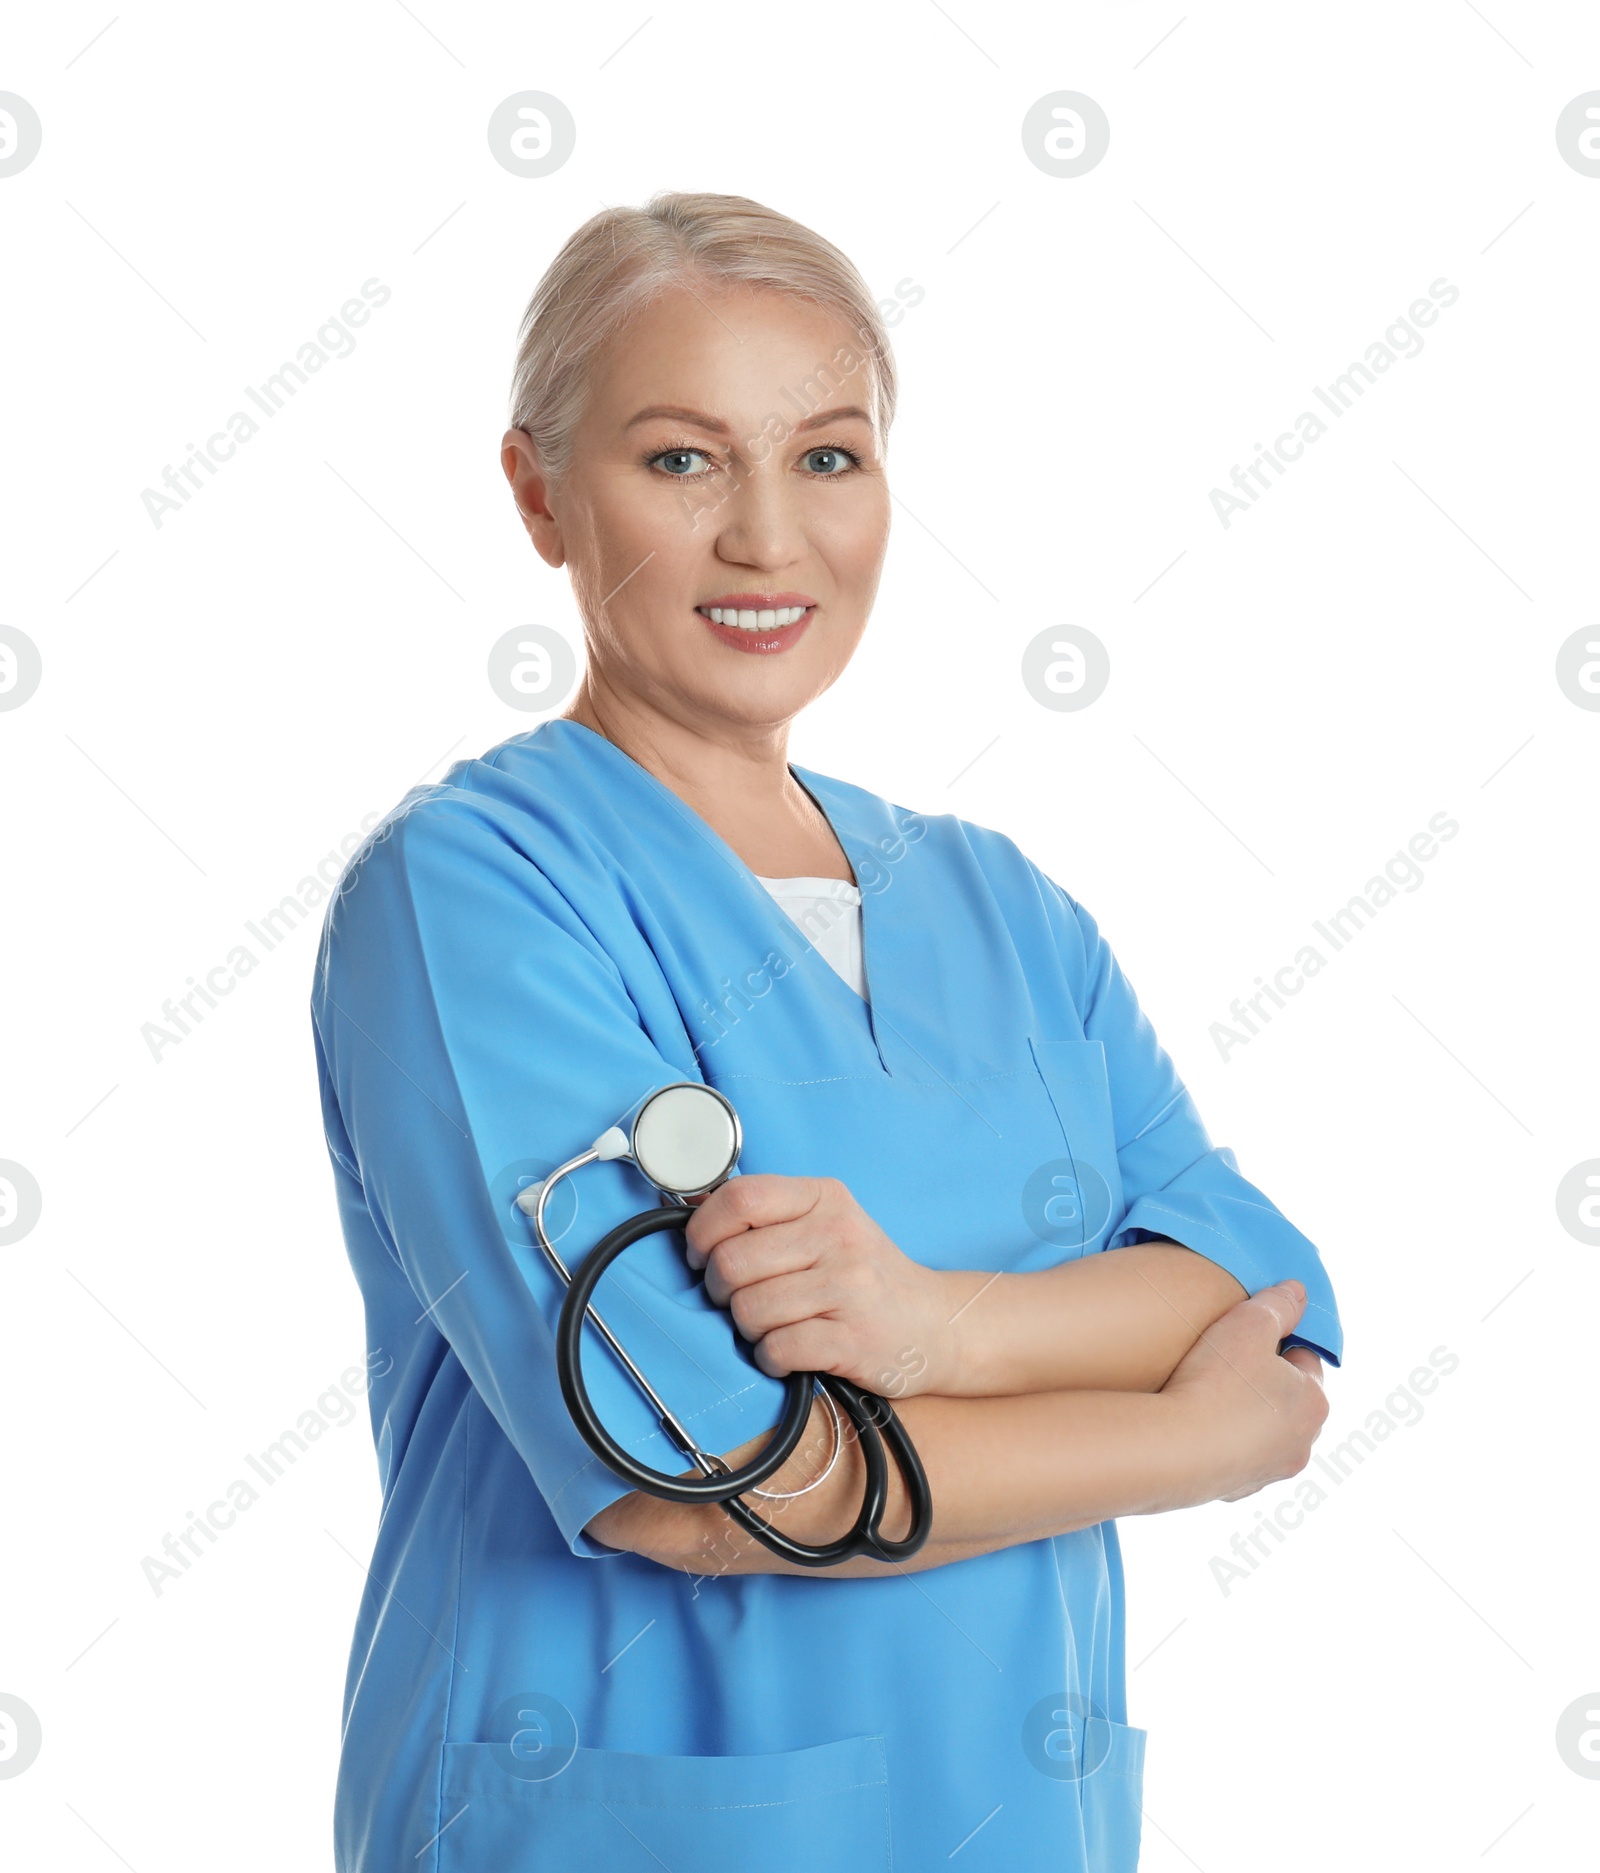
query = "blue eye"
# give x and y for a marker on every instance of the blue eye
(677, 462)
(826, 462)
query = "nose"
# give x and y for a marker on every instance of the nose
(758, 524)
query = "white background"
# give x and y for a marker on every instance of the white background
(1291, 698)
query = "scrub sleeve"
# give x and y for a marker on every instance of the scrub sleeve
(445, 1058)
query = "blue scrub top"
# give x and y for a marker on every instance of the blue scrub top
(517, 956)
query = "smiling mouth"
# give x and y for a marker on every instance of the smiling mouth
(778, 619)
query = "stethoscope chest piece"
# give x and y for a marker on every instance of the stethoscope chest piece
(686, 1139)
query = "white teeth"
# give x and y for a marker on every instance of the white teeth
(757, 620)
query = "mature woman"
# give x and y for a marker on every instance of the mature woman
(971, 1181)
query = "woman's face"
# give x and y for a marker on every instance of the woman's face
(726, 460)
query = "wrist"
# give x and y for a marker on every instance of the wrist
(1192, 1444)
(957, 1355)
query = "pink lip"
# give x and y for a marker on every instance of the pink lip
(760, 643)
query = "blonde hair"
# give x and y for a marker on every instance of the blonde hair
(623, 258)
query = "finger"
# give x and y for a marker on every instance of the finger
(757, 1255)
(785, 1301)
(1304, 1360)
(1243, 1495)
(809, 1346)
(1284, 1300)
(744, 1203)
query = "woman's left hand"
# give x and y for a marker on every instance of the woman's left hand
(816, 1284)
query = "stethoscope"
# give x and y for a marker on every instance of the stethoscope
(686, 1139)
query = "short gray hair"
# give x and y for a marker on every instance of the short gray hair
(623, 258)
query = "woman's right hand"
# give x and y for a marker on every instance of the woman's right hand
(1250, 1414)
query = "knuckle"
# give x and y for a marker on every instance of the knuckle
(732, 1263)
(811, 1348)
(845, 1341)
(770, 1358)
(1295, 1450)
(779, 1352)
(741, 1197)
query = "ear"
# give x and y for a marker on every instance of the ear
(530, 488)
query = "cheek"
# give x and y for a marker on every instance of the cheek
(855, 541)
(636, 590)
(641, 530)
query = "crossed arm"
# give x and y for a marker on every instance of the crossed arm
(1124, 1383)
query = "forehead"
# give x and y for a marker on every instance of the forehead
(737, 354)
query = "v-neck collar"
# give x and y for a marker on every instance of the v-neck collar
(836, 809)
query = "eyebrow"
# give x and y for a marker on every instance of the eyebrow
(710, 423)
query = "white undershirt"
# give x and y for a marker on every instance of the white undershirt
(828, 910)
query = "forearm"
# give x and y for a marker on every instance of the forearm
(1118, 1321)
(1001, 1471)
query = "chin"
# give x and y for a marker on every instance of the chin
(763, 697)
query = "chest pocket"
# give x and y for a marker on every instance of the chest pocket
(1014, 1169)
(1076, 1201)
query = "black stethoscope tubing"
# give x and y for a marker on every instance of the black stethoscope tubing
(873, 1417)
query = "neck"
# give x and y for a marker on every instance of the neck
(735, 777)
